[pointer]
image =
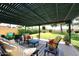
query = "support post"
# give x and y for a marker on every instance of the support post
(70, 32)
(10, 26)
(61, 28)
(39, 31)
(25, 29)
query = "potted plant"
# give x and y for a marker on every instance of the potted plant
(66, 39)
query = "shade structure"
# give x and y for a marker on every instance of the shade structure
(31, 14)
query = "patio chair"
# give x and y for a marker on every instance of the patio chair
(27, 37)
(53, 50)
(3, 52)
(31, 41)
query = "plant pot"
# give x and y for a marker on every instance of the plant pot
(67, 43)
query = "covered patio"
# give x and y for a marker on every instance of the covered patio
(37, 14)
(64, 50)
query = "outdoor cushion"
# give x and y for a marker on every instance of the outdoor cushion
(34, 42)
(20, 51)
(29, 51)
(10, 36)
(17, 50)
(58, 38)
(7, 44)
(27, 37)
(52, 43)
(0, 34)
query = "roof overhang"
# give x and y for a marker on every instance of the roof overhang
(32, 14)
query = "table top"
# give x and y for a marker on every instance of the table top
(33, 40)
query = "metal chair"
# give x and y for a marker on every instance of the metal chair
(51, 50)
(3, 51)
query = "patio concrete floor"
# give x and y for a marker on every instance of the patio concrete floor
(64, 50)
(68, 50)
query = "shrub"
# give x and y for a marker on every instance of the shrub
(76, 31)
(21, 31)
(75, 36)
(43, 28)
(66, 38)
(50, 31)
(30, 31)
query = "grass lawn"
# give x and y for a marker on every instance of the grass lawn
(46, 35)
(75, 40)
(75, 43)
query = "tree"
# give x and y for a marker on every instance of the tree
(61, 28)
(54, 25)
(43, 28)
(69, 22)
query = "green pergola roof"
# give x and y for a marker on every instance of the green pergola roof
(31, 14)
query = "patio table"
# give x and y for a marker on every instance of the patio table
(33, 42)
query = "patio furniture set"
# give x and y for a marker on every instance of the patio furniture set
(18, 50)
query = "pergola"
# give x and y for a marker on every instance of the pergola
(33, 14)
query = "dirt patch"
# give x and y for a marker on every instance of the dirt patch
(5, 30)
